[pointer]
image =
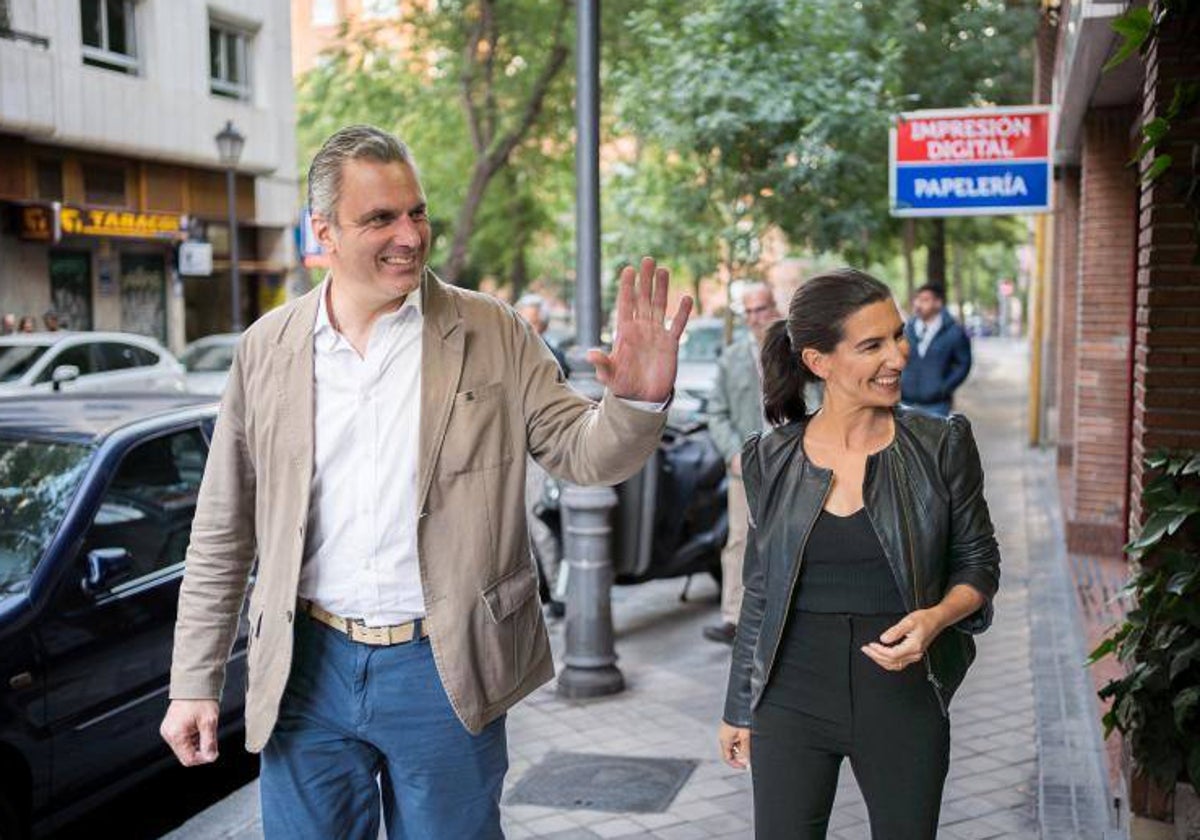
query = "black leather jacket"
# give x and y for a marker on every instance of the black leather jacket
(924, 496)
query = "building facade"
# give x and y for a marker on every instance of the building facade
(108, 161)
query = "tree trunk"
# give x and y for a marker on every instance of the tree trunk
(957, 262)
(465, 223)
(910, 241)
(936, 270)
(519, 273)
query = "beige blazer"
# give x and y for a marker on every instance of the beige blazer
(490, 392)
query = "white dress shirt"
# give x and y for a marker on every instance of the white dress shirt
(360, 558)
(926, 330)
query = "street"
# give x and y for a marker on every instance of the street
(1026, 755)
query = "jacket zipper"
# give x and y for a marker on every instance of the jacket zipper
(929, 675)
(796, 579)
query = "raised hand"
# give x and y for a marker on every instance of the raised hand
(645, 353)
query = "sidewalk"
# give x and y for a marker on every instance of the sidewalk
(1026, 757)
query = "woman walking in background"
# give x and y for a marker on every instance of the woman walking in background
(870, 562)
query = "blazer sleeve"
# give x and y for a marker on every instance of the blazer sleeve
(974, 555)
(741, 670)
(575, 438)
(220, 554)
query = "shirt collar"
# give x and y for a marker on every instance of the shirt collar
(329, 338)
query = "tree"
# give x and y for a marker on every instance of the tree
(474, 86)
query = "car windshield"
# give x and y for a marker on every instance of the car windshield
(704, 343)
(16, 359)
(37, 481)
(206, 358)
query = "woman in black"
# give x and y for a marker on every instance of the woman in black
(871, 560)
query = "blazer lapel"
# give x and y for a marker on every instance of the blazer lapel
(441, 369)
(294, 379)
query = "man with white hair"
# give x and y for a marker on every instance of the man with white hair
(734, 412)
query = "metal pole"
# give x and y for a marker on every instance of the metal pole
(234, 276)
(590, 659)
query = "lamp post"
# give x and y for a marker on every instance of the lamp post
(590, 658)
(229, 148)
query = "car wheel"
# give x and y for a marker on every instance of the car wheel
(12, 822)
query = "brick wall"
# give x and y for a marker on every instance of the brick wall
(1104, 310)
(1066, 285)
(1166, 410)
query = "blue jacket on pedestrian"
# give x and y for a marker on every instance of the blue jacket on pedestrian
(934, 377)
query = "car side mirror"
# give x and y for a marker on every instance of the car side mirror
(64, 373)
(105, 567)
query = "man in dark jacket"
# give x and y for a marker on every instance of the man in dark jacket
(939, 356)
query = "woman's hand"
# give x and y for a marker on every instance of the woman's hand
(906, 641)
(735, 745)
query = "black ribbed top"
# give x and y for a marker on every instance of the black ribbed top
(844, 569)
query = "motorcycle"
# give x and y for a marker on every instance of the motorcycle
(671, 518)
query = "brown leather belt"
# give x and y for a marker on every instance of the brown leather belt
(393, 634)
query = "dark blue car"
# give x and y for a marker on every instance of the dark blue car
(97, 495)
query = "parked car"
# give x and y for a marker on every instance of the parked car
(701, 345)
(207, 361)
(97, 496)
(86, 361)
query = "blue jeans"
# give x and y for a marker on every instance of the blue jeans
(360, 723)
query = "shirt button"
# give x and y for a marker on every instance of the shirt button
(289, 616)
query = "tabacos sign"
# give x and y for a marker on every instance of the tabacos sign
(50, 222)
(970, 162)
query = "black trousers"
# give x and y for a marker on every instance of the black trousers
(826, 700)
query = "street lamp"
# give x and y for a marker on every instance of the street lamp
(229, 148)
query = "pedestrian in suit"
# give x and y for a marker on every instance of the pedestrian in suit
(370, 452)
(941, 354)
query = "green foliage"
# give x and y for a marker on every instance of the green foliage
(1156, 704)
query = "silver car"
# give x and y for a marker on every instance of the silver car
(86, 361)
(207, 361)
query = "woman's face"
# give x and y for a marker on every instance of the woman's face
(864, 368)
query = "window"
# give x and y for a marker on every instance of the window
(79, 355)
(104, 184)
(147, 510)
(115, 356)
(380, 9)
(108, 34)
(49, 180)
(228, 61)
(324, 13)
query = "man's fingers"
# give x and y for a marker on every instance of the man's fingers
(681, 316)
(626, 303)
(645, 284)
(658, 297)
(208, 739)
(896, 632)
(602, 363)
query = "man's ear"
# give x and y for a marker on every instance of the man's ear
(815, 361)
(323, 230)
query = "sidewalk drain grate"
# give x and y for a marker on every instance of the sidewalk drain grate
(603, 782)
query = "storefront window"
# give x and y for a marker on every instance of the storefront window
(104, 185)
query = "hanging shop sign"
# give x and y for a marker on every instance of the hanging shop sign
(970, 162)
(85, 221)
(38, 223)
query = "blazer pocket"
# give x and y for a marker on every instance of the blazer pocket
(507, 594)
(477, 436)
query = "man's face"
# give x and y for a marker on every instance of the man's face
(533, 316)
(761, 311)
(926, 305)
(378, 240)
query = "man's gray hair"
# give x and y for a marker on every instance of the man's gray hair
(533, 299)
(355, 142)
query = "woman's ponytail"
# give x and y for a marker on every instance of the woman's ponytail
(784, 377)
